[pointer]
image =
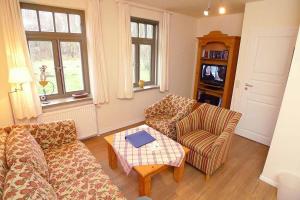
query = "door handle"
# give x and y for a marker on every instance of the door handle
(248, 85)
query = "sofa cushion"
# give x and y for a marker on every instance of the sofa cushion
(95, 185)
(3, 165)
(53, 134)
(21, 147)
(74, 173)
(199, 141)
(24, 182)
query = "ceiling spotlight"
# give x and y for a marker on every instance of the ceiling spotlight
(205, 13)
(222, 10)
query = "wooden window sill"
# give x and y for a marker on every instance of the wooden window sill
(148, 87)
(56, 104)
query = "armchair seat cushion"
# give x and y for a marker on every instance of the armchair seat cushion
(199, 141)
(162, 123)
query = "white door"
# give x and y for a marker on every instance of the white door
(260, 82)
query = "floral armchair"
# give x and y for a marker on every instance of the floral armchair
(207, 132)
(164, 114)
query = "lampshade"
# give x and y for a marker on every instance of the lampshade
(19, 75)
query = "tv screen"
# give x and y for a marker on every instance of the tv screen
(213, 74)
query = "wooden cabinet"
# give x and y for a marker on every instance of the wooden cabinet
(218, 51)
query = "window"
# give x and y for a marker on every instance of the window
(144, 50)
(56, 38)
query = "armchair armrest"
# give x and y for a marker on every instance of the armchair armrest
(54, 134)
(155, 109)
(219, 152)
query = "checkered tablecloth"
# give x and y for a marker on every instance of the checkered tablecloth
(169, 153)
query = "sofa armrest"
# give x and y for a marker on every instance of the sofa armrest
(53, 134)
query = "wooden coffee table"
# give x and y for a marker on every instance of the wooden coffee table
(145, 172)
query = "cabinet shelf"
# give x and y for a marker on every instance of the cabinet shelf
(217, 41)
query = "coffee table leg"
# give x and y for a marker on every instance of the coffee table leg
(144, 186)
(178, 171)
(112, 157)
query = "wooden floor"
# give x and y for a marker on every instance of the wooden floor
(237, 179)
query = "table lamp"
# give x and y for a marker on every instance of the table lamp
(18, 76)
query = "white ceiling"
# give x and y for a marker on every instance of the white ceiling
(195, 8)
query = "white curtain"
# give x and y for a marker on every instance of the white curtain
(125, 70)
(97, 66)
(26, 103)
(163, 52)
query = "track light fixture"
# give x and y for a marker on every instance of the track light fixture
(222, 9)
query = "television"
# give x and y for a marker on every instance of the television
(213, 74)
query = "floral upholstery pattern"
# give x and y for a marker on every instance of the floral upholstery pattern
(22, 147)
(54, 134)
(164, 114)
(3, 165)
(73, 172)
(24, 182)
(208, 132)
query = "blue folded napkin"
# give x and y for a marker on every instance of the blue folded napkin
(139, 138)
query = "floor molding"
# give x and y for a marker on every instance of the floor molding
(268, 180)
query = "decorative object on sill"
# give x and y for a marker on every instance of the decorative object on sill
(80, 95)
(141, 83)
(44, 83)
(17, 76)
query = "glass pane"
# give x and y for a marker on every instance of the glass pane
(133, 62)
(46, 21)
(71, 60)
(61, 22)
(149, 31)
(75, 23)
(145, 62)
(134, 29)
(30, 21)
(41, 53)
(142, 30)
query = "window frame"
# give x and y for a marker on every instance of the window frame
(55, 38)
(137, 41)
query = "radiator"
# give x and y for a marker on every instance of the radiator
(85, 118)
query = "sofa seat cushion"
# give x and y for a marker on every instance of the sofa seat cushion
(95, 185)
(3, 165)
(199, 141)
(75, 173)
(21, 147)
(24, 182)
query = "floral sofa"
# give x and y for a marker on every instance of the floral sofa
(164, 114)
(46, 161)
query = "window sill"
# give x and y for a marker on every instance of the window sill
(148, 87)
(55, 104)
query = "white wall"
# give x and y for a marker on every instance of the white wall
(228, 24)
(118, 113)
(285, 149)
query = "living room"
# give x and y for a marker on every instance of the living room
(109, 41)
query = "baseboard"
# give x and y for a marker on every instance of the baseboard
(254, 137)
(120, 125)
(268, 180)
